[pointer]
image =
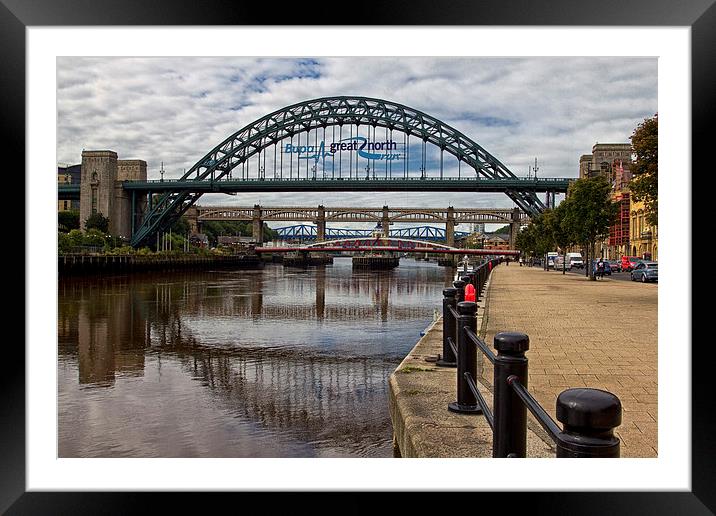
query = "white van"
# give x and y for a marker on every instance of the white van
(551, 257)
(559, 264)
(575, 260)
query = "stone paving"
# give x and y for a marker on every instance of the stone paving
(583, 333)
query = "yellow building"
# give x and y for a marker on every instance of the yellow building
(64, 179)
(643, 238)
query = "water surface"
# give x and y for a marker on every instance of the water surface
(276, 362)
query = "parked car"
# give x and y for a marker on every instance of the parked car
(607, 267)
(645, 271)
(629, 262)
(615, 265)
(575, 260)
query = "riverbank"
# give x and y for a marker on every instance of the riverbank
(418, 399)
(567, 350)
(80, 264)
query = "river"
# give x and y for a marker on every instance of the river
(273, 362)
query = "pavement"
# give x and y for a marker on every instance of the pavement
(583, 333)
(422, 425)
(600, 334)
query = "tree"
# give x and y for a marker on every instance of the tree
(181, 226)
(561, 234)
(68, 220)
(97, 221)
(526, 241)
(589, 213)
(644, 183)
(536, 239)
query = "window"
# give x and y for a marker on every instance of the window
(94, 200)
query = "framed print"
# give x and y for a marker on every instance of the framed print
(240, 304)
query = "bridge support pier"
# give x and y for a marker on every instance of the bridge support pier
(385, 222)
(514, 227)
(450, 227)
(321, 224)
(192, 217)
(258, 225)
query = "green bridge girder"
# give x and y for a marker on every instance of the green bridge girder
(207, 174)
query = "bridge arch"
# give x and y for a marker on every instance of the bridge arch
(321, 113)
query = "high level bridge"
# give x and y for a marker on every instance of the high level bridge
(384, 216)
(331, 144)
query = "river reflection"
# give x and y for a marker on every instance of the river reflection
(276, 362)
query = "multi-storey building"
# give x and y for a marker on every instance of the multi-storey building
(478, 227)
(619, 236)
(612, 161)
(68, 174)
(644, 237)
(606, 155)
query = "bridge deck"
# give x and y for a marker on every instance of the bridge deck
(342, 184)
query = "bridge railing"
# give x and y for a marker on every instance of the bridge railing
(588, 416)
(320, 177)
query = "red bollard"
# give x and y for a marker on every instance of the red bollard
(469, 292)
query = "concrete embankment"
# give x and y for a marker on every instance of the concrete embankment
(74, 264)
(419, 396)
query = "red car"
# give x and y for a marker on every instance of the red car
(629, 262)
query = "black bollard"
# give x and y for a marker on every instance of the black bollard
(510, 433)
(460, 291)
(589, 417)
(466, 360)
(448, 358)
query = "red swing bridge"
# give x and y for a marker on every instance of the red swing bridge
(384, 245)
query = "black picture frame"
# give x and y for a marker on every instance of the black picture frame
(700, 15)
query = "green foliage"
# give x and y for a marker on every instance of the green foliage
(125, 249)
(64, 243)
(181, 226)
(94, 237)
(590, 213)
(68, 220)
(644, 184)
(215, 228)
(583, 218)
(97, 221)
(562, 234)
(590, 210)
(537, 238)
(75, 237)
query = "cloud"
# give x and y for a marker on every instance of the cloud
(174, 110)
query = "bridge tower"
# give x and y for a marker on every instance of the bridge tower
(514, 227)
(258, 226)
(450, 227)
(321, 224)
(97, 178)
(101, 190)
(385, 222)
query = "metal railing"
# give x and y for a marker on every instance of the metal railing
(588, 416)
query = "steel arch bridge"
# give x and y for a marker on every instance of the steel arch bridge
(309, 232)
(206, 175)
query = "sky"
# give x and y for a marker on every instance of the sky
(176, 109)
